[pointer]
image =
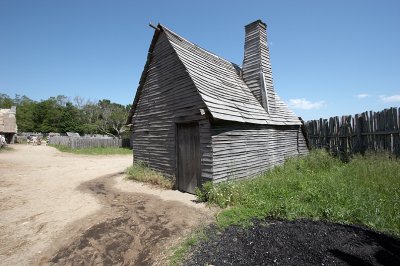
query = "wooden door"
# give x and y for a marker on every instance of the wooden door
(188, 157)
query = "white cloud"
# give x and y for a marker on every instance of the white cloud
(305, 104)
(390, 99)
(362, 95)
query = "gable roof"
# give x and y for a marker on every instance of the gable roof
(219, 84)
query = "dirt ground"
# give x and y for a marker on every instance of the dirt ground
(60, 208)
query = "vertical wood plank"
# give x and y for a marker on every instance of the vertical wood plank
(374, 131)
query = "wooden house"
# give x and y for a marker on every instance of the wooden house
(197, 117)
(8, 124)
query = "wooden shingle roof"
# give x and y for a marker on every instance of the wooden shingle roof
(220, 86)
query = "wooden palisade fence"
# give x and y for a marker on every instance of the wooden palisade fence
(74, 142)
(368, 131)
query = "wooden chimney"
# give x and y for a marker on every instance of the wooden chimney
(256, 68)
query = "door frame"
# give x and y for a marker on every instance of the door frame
(177, 153)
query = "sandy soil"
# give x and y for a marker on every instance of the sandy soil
(59, 208)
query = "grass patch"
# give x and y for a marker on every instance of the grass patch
(6, 149)
(179, 252)
(364, 191)
(94, 151)
(140, 172)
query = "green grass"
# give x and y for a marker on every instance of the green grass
(139, 172)
(179, 252)
(365, 191)
(6, 149)
(94, 151)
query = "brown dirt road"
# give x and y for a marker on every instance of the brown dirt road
(59, 208)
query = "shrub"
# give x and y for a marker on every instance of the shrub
(202, 193)
(222, 194)
(140, 172)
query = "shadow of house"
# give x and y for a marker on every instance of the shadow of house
(8, 124)
(197, 117)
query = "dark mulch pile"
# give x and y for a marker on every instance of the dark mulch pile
(300, 242)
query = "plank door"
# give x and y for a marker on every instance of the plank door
(188, 157)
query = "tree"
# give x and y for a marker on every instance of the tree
(90, 115)
(25, 114)
(5, 101)
(112, 119)
(59, 114)
(71, 119)
(47, 116)
(79, 102)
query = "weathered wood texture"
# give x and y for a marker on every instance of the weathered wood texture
(80, 143)
(256, 61)
(8, 122)
(126, 142)
(188, 154)
(244, 150)
(222, 88)
(167, 96)
(373, 131)
(183, 83)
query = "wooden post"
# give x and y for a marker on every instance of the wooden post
(396, 137)
(360, 136)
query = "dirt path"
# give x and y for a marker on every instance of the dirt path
(58, 208)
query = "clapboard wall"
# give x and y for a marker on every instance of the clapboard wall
(168, 96)
(245, 150)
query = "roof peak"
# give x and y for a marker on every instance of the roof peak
(162, 27)
(219, 83)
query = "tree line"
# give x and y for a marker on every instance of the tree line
(61, 114)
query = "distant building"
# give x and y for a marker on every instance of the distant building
(8, 124)
(198, 117)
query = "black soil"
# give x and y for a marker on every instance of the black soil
(300, 242)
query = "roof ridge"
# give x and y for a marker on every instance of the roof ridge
(198, 46)
(221, 88)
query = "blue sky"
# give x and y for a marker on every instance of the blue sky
(328, 57)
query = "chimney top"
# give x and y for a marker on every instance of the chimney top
(257, 22)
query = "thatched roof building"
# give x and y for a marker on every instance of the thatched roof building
(8, 124)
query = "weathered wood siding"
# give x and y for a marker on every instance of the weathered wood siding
(245, 150)
(83, 143)
(238, 138)
(368, 131)
(167, 97)
(257, 60)
(188, 156)
(222, 88)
